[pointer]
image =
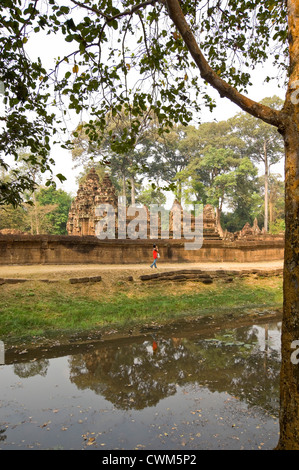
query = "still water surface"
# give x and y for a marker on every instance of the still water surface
(216, 391)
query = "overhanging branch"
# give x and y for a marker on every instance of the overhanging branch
(267, 114)
(128, 12)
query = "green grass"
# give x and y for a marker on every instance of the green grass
(38, 309)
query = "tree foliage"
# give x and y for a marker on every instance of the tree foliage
(150, 196)
(120, 56)
(219, 173)
(26, 121)
(262, 144)
(55, 220)
(47, 213)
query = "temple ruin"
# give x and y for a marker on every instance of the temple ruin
(83, 217)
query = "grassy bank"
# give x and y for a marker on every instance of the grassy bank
(36, 308)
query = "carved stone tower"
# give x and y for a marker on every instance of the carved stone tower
(82, 218)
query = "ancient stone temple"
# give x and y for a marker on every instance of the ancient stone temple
(210, 230)
(209, 221)
(85, 220)
(82, 218)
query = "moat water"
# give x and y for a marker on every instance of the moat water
(203, 390)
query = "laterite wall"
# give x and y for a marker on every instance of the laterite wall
(51, 249)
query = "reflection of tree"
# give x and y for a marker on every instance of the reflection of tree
(29, 369)
(134, 376)
(236, 364)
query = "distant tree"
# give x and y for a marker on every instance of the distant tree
(37, 216)
(150, 195)
(217, 173)
(169, 155)
(43, 209)
(53, 205)
(99, 168)
(31, 218)
(262, 143)
(276, 204)
(15, 218)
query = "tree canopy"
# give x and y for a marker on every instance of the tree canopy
(124, 57)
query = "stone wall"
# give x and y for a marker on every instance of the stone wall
(51, 249)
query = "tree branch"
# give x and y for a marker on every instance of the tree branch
(267, 114)
(127, 12)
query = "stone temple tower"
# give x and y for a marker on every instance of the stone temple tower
(82, 219)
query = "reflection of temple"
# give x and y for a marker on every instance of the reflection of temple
(82, 218)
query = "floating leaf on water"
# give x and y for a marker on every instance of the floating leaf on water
(45, 424)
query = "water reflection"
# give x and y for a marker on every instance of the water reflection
(244, 362)
(141, 374)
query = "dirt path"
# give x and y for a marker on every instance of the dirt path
(112, 270)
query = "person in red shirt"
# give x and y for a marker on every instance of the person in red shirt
(155, 256)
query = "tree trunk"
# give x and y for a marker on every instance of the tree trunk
(218, 221)
(289, 376)
(35, 215)
(271, 211)
(132, 190)
(31, 224)
(124, 184)
(266, 186)
(178, 192)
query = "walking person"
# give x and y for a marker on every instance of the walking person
(155, 256)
